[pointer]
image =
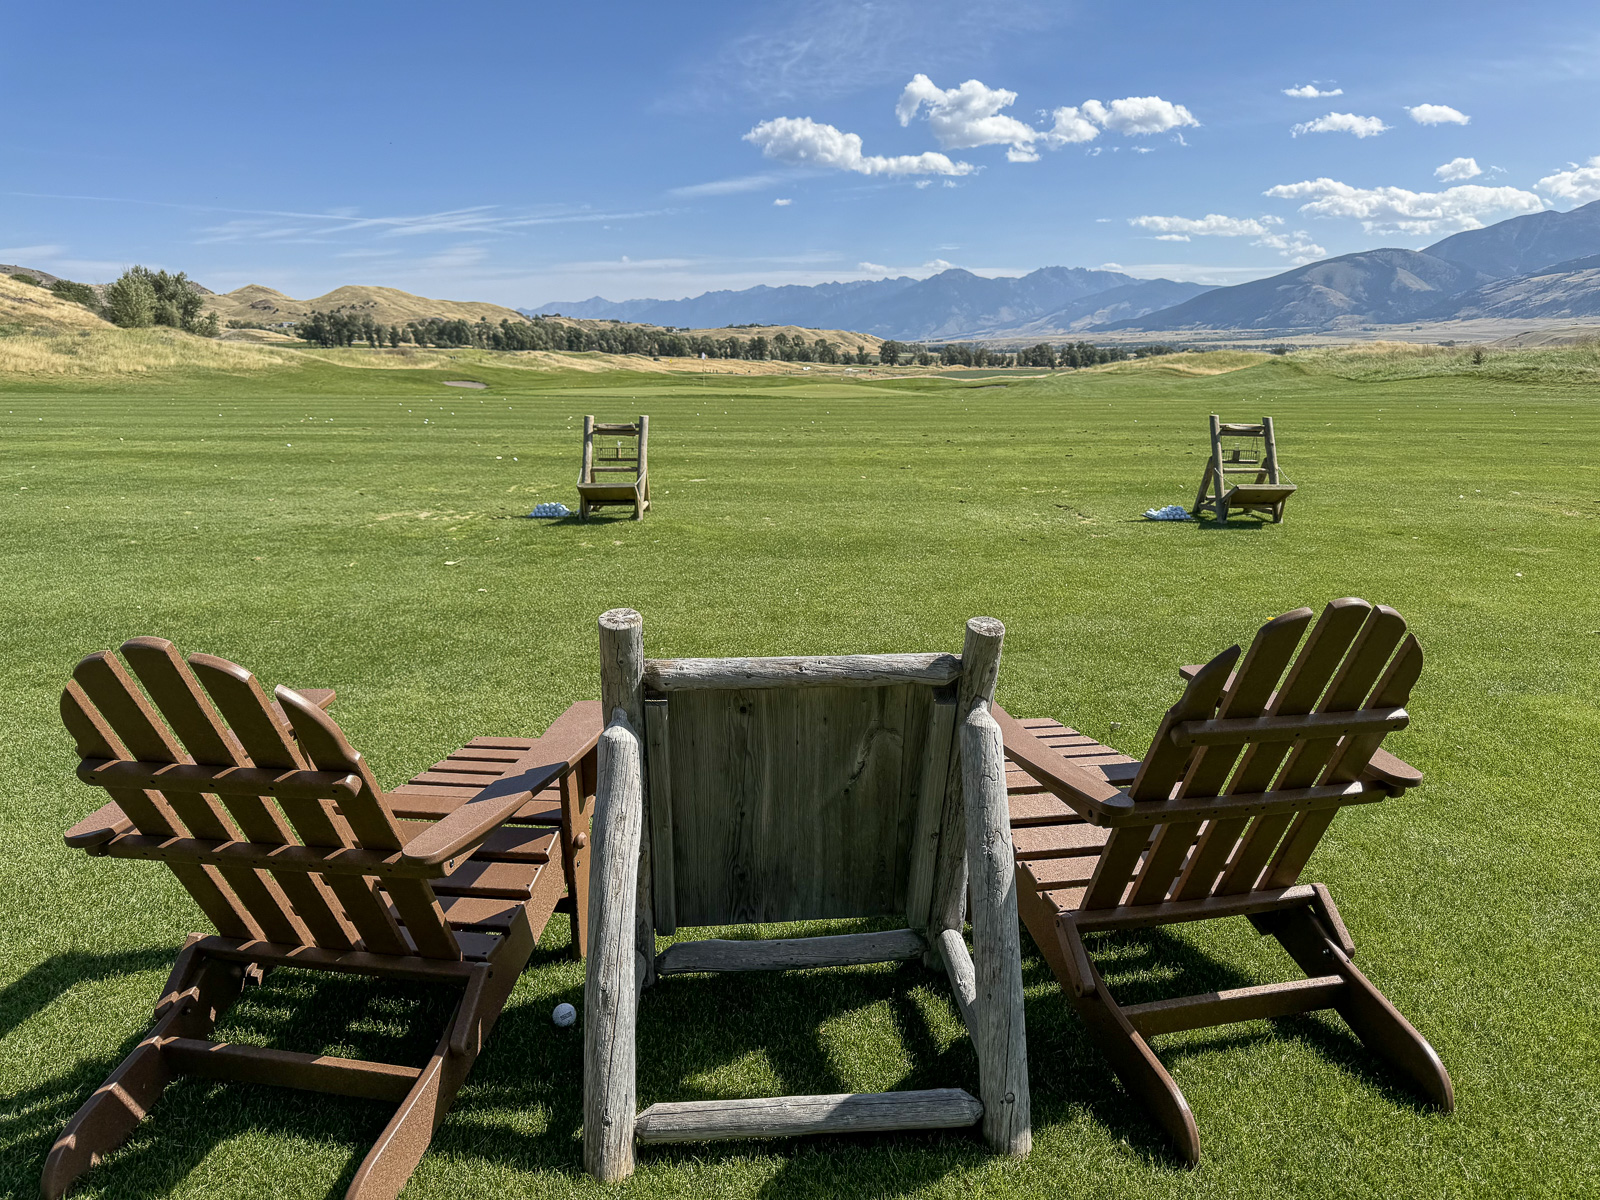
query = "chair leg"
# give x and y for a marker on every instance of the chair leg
(388, 1166)
(127, 1096)
(1365, 1009)
(1135, 1063)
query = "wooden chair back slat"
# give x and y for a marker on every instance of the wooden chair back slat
(1314, 668)
(1348, 663)
(1351, 756)
(173, 686)
(798, 803)
(107, 683)
(325, 744)
(1247, 695)
(148, 810)
(269, 742)
(1251, 695)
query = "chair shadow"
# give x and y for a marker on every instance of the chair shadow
(296, 1010)
(692, 1026)
(1154, 964)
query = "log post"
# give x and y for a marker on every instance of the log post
(610, 993)
(980, 667)
(622, 686)
(1000, 1037)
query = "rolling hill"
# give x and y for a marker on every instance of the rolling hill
(388, 306)
(1569, 289)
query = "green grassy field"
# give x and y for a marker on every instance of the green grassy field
(363, 530)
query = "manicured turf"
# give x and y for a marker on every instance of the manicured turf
(362, 530)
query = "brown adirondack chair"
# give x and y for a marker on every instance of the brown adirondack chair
(787, 789)
(276, 827)
(596, 493)
(1244, 776)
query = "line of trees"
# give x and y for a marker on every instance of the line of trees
(352, 329)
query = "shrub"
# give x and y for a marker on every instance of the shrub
(77, 293)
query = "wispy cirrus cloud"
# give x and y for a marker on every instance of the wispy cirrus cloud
(729, 187)
(816, 49)
(1296, 245)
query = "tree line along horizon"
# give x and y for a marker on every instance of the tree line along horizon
(141, 298)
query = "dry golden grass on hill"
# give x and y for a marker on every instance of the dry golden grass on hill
(104, 351)
(388, 306)
(28, 309)
(391, 306)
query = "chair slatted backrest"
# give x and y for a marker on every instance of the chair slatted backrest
(1245, 457)
(1251, 765)
(618, 458)
(212, 715)
(804, 802)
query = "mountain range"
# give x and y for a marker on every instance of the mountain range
(1539, 265)
(1544, 264)
(954, 305)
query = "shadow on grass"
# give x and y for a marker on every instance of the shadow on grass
(1154, 964)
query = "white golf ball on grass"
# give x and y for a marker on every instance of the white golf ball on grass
(564, 1015)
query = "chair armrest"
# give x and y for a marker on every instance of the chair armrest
(1089, 795)
(98, 827)
(475, 820)
(570, 737)
(1390, 771)
(321, 697)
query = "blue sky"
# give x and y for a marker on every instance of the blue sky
(532, 153)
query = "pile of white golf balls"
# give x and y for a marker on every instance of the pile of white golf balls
(553, 508)
(1172, 512)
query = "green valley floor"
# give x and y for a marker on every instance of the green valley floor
(366, 530)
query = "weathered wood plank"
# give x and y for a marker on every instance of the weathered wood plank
(798, 1116)
(658, 767)
(789, 954)
(930, 811)
(611, 988)
(963, 977)
(621, 672)
(1001, 1034)
(980, 659)
(843, 670)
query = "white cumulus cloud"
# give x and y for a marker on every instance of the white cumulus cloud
(1210, 225)
(967, 116)
(1458, 169)
(970, 115)
(1310, 91)
(1138, 114)
(1579, 185)
(1172, 237)
(802, 142)
(1397, 210)
(1437, 114)
(782, 202)
(1362, 127)
(872, 268)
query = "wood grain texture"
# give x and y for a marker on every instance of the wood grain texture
(929, 824)
(658, 785)
(843, 670)
(980, 658)
(963, 977)
(795, 1116)
(1001, 1035)
(610, 994)
(786, 954)
(621, 673)
(794, 804)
